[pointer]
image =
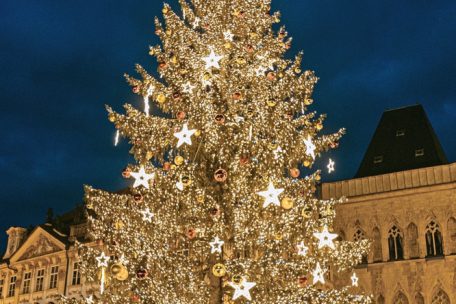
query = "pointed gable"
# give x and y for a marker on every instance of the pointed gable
(40, 242)
(404, 140)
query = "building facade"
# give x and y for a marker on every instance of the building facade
(40, 265)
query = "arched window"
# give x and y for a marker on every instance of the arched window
(434, 239)
(400, 298)
(452, 235)
(419, 299)
(440, 297)
(412, 241)
(341, 236)
(359, 236)
(396, 251)
(377, 245)
(380, 300)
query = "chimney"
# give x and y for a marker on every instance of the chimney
(16, 236)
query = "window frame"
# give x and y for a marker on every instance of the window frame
(432, 233)
(53, 278)
(396, 239)
(12, 286)
(39, 280)
(27, 282)
(76, 274)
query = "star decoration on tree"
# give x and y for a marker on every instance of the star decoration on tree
(242, 289)
(261, 70)
(228, 36)
(354, 279)
(302, 249)
(330, 166)
(196, 22)
(277, 152)
(188, 88)
(102, 260)
(212, 60)
(147, 215)
(184, 136)
(325, 238)
(318, 274)
(216, 245)
(89, 300)
(142, 178)
(310, 147)
(271, 195)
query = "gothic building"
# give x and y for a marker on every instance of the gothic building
(402, 199)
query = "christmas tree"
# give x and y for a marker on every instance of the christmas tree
(223, 205)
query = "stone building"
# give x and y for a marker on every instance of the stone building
(42, 263)
(403, 199)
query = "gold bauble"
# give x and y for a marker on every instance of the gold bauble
(307, 212)
(306, 163)
(122, 275)
(271, 103)
(278, 237)
(228, 45)
(165, 10)
(116, 269)
(119, 225)
(149, 155)
(237, 279)
(173, 167)
(297, 70)
(318, 177)
(178, 160)
(174, 59)
(241, 61)
(287, 203)
(161, 98)
(207, 76)
(198, 133)
(169, 32)
(319, 126)
(200, 198)
(219, 270)
(112, 117)
(186, 181)
(308, 101)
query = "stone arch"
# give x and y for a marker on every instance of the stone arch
(434, 239)
(377, 254)
(419, 299)
(412, 241)
(440, 297)
(341, 236)
(380, 300)
(400, 298)
(451, 228)
(395, 243)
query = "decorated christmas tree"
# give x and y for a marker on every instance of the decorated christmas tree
(222, 206)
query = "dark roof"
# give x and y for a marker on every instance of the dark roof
(404, 140)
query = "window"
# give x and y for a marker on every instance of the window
(440, 297)
(452, 235)
(419, 152)
(76, 274)
(378, 159)
(27, 280)
(400, 132)
(412, 241)
(434, 246)
(1, 288)
(359, 236)
(396, 251)
(12, 287)
(419, 299)
(377, 245)
(400, 298)
(39, 280)
(54, 275)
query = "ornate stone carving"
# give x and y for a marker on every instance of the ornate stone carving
(42, 247)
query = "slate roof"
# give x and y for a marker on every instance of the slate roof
(403, 140)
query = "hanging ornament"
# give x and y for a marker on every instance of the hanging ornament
(178, 160)
(181, 115)
(310, 147)
(126, 173)
(102, 260)
(166, 166)
(307, 212)
(216, 245)
(228, 36)
(325, 238)
(161, 98)
(219, 270)
(287, 203)
(220, 119)
(191, 233)
(302, 249)
(186, 181)
(89, 300)
(116, 269)
(212, 61)
(330, 166)
(220, 175)
(237, 96)
(271, 195)
(147, 215)
(302, 281)
(184, 136)
(138, 197)
(318, 274)
(136, 89)
(242, 289)
(141, 274)
(354, 278)
(188, 88)
(142, 178)
(116, 138)
(294, 172)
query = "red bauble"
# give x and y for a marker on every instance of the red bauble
(141, 274)
(220, 175)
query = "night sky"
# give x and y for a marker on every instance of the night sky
(61, 61)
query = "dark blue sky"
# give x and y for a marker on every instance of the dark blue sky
(61, 61)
